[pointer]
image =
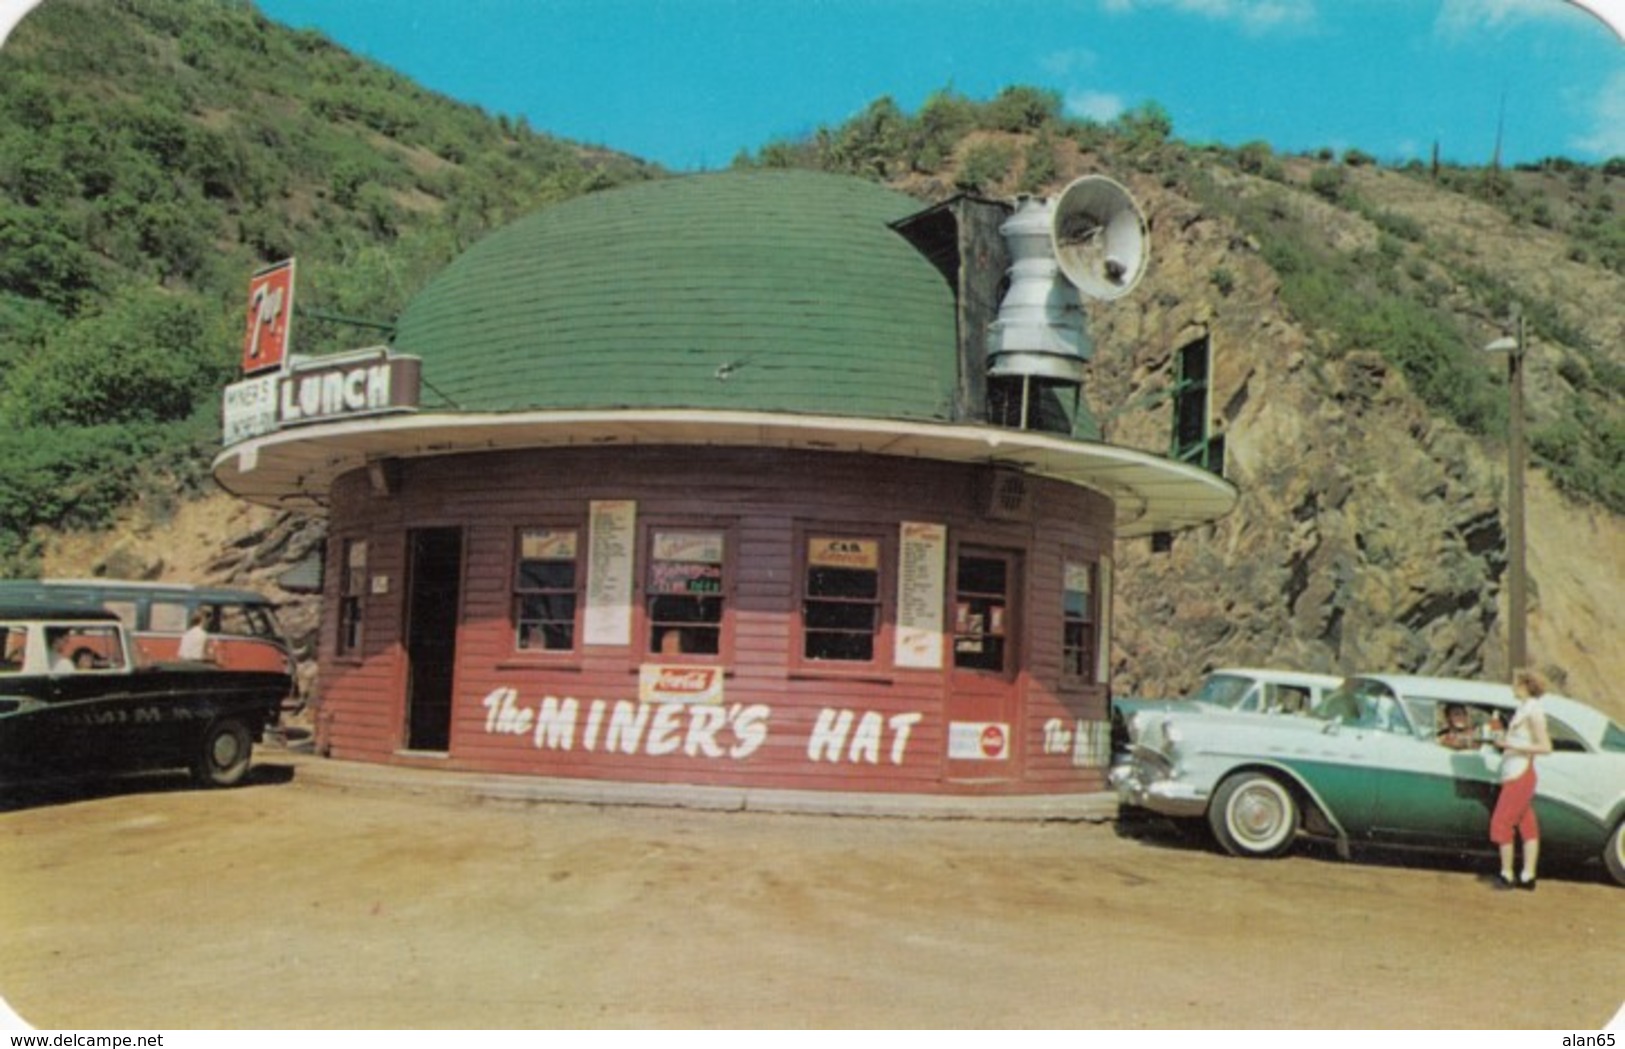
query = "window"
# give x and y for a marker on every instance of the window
(125, 610)
(840, 606)
(1079, 615)
(982, 611)
(245, 621)
(13, 649)
(1287, 699)
(1194, 440)
(84, 648)
(545, 596)
(167, 617)
(684, 592)
(352, 585)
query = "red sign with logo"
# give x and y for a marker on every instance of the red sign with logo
(270, 316)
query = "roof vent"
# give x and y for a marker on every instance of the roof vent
(1040, 327)
(1095, 236)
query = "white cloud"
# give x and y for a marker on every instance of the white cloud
(1607, 138)
(1099, 106)
(1069, 62)
(1460, 19)
(1255, 16)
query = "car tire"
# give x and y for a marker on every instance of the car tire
(1613, 856)
(223, 754)
(1254, 815)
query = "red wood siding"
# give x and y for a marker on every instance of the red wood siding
(782, 723)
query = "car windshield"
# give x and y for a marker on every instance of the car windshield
(1223, 690)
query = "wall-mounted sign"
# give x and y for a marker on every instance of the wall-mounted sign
(548, 544)
(843, 553)
(326, 389)
(666, 683)
(978, 741)
(270, 318)
(609, 571)
(684, 577)
(704, 547)
(922, 574)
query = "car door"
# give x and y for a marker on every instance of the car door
(99, 716)
(1427, 793)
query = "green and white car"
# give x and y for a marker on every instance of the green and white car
(1228, 690)
(1367, 767)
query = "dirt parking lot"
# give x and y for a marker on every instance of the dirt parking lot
(291, 903)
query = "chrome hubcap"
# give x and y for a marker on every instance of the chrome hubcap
(225, 750)
(1258, 815)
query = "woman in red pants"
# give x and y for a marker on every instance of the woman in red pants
(1526, 736)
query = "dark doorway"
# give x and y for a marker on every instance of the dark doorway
(431, 635)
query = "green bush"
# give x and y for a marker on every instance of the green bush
(1328, 183)
(147, 357)
(984, 166)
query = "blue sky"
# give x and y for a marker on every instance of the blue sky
(690, 83)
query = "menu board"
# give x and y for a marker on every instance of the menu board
(612, 528)
(922, 574)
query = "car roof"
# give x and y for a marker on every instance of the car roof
(58, 611)
(1584, 718)
(1579, 714)
(10, 589)
(1264, 674)
(1444, 687)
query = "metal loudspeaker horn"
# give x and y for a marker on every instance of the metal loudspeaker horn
(1100, 237)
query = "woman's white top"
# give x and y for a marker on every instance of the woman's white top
(1520, 734)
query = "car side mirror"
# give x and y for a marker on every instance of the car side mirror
(1332, 728)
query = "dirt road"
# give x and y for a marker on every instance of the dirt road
(145, 904)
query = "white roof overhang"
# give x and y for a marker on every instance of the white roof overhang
(295, 468)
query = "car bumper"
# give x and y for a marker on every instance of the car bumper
(1155, 791)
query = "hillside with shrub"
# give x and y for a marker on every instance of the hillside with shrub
(156, 163)
(153, 155)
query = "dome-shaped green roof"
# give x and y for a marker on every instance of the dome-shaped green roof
(770, 291)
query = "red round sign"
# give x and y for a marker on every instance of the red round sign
(992, 741)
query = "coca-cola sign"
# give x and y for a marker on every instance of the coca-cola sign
(669, 683)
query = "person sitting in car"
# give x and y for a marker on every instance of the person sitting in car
(1457, 733)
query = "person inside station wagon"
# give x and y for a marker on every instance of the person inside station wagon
(1457, 733)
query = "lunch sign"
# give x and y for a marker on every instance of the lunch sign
(280, 390)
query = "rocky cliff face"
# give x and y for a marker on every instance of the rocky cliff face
(1369, 534)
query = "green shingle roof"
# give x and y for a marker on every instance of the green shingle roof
(768, 291)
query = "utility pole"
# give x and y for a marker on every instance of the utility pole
(1517, 568)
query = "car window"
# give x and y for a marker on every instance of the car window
(13, 649)
(84, 649)
(1223, 690)
(125, 610)
(1366, 704)
(233, 621)
(167, 617)
(1564, 737)
(1290, 699)
(1421, 712)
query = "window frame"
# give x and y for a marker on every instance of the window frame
(1192, 397)
(349, 622)
(1088, 672)
(1013, 627)
(643, 622)
(880, 660)
(516, 594)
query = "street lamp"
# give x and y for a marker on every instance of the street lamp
(1517, 596)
